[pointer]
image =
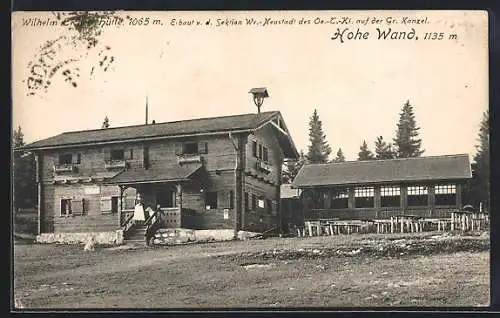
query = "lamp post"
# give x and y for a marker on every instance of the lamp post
(258, 96)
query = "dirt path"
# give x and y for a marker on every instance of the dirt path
(332, 271)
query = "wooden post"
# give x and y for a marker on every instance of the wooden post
(402, 225)
(39, 182)
(432, 199)
(452, 221)
(239, 180)
(278, 197)
(392, 224)
(458, 195)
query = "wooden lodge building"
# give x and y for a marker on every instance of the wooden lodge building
(378, 189)
(208, 173)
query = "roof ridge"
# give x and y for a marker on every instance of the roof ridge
(171, 122)
(395, 159)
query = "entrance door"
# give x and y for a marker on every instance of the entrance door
(114, 205)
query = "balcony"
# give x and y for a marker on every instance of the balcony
(64, 167)
(188, 158)
(264, 166)
(114, 164)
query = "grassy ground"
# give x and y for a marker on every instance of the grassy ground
(339, 271)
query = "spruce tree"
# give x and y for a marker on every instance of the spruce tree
(25, 190)
(318, 149)
(407, 144)
(480, 183)
(365, 153)
(105, 123)
(383, 150)
(292, 168)
(340, 156)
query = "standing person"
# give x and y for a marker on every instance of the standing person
(139, 216)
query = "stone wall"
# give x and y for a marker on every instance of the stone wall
(182, 236)
(108, 238)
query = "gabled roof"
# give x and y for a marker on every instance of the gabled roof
(201, 126)
(448, 167)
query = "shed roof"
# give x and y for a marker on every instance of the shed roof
(448, 167)
(154, 174)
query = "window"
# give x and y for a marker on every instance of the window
(231, 199)
(319, 199)
(145, 157)
(390, 196)
(254, 202)
(78, 158)
(254, 148)
(65, 159)
(265, 155)
(260, 151)
(66, 207)
(417, 196)
(117, 154)
(114, 204)
(445, 194)
(211, 200)
(261, 203)
(269, 206)
(364, 197)
(339, 199)
(190, 148)
(166, 198)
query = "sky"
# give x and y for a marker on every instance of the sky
(189, 71)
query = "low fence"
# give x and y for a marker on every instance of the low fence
(458, 221)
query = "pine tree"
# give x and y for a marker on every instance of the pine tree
(318, 150)
(105, 123)
(292, 168)
(340, 156)
(480, 183)
(406, 142)
(365, 153)
(383, 150)
(25, 190)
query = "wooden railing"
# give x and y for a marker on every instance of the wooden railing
(152, 224)
(64, 167)
(111, 164)
(128, 225)
(188, 158)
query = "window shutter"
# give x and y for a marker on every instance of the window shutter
(128, 154)
(105, 204)
(203, 147)
(178, 148)
(77, 206)
(107, 154)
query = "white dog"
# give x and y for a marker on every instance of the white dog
(90, 245)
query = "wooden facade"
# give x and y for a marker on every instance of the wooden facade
(226, 178)
(427, 187)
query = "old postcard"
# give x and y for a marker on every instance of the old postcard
(244, 160)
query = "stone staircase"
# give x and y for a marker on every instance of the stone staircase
(137, 235)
